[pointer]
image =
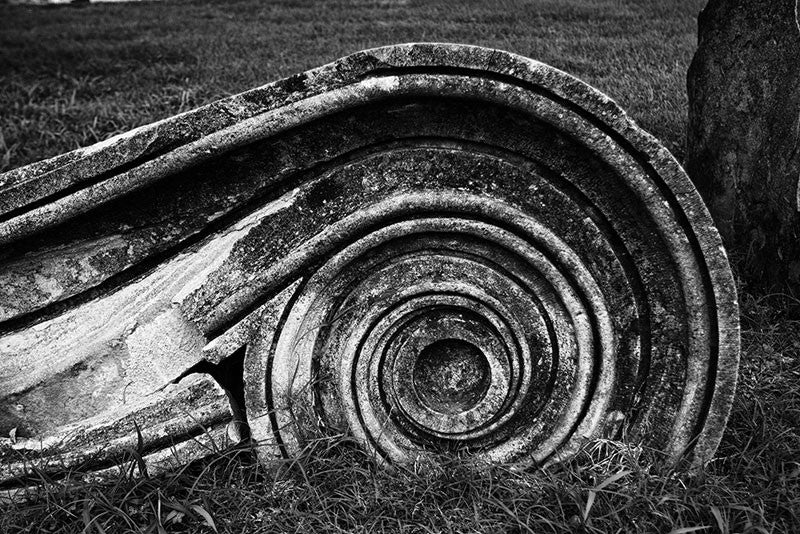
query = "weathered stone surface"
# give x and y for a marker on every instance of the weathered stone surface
(428, 246)
(743, 149)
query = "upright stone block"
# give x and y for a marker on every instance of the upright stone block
(743, 150)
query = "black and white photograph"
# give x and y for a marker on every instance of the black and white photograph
(399, 266)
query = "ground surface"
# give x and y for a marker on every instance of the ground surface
(71, 76)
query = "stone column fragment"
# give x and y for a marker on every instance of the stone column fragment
(426, 246)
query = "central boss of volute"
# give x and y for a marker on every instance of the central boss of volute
(442, 332)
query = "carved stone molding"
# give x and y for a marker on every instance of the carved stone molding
(428, 246)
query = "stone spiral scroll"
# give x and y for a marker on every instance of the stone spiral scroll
(429, 247)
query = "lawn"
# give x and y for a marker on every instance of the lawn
(74, 75)
(71, 76)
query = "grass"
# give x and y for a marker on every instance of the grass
(71, 76)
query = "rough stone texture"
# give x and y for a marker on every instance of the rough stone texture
(404, 218)
(744, 133)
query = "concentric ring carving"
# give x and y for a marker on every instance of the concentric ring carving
(557, 265)
(354, 343)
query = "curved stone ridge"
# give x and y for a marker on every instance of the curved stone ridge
(429, 246)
